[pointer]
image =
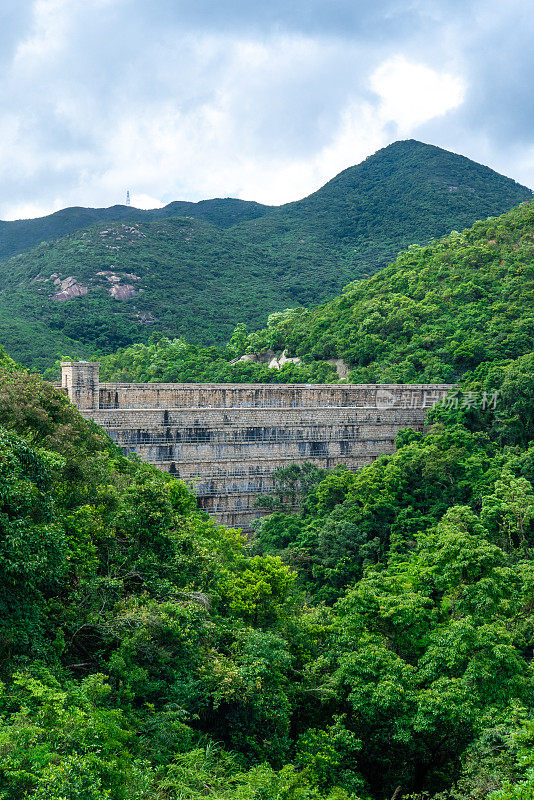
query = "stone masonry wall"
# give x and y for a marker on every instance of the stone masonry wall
(228, 439)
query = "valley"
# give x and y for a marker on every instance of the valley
(371, 636)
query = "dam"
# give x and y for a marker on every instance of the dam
(226, 440)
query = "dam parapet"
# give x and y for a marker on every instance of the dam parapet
(226, 440)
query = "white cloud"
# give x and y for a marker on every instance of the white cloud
(181, 100)
(144, 201)
(412, 93)
(31, 210)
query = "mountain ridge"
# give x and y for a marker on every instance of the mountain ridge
(221, 211)
(120, 281)
(17, 236)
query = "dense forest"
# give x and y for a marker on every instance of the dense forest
(372, 639)
(177, 361)
(17, 236)
(435, 314)
(221, 263)
(375, 643)
(437, 311)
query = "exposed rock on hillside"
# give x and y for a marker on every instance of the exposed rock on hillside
(123, 291)
(120, 291)
(270, 357)
(70, 287)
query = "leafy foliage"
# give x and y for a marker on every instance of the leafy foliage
(178, 361)
(414, 321)
(375, 633)
(425, 557)
(434, 314)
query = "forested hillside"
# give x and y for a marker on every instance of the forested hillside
(425, 558)
(435, 314)
(373, 638)
(113, 284)
(375, 643)
(19, 235)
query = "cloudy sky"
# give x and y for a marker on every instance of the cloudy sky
(259, 99)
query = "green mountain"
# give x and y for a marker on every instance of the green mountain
(405, 193)
(114, 284)
(436, 313)
(17, 236)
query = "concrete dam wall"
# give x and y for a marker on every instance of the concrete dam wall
(228, 439)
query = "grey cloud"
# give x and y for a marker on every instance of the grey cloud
(199, 68)
(496, 120)
(501, 96)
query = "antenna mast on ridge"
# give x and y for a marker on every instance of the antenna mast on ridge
(127, 197)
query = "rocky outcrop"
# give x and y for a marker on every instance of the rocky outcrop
(124, 234)
(114, 277)
(145, 318)
(123, 291)
(119, 290)
(268, 357)
(278, 361)
(69, 288)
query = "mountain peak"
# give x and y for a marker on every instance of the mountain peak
(417, 169)
(236, 261)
